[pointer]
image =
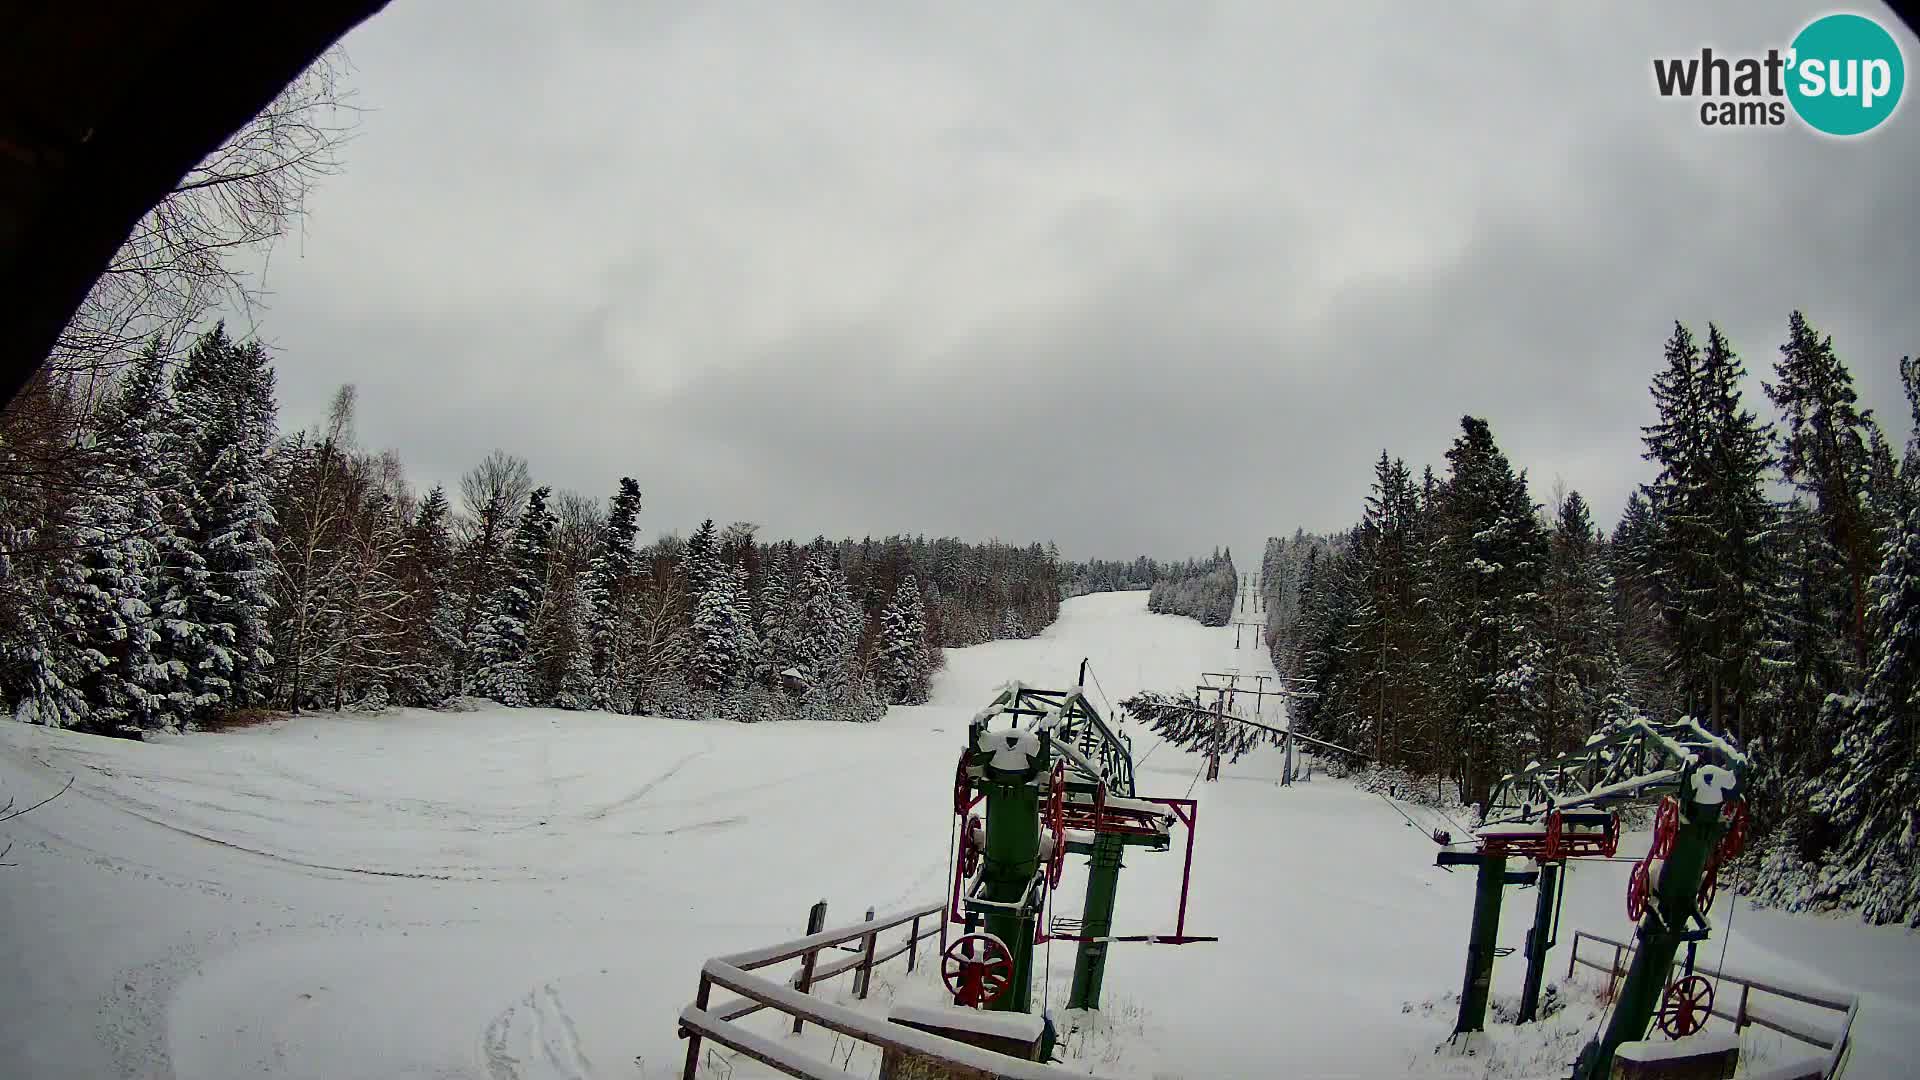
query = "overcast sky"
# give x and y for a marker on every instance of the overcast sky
(1134, 277)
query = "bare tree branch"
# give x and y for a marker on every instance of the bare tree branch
(9, 814)
(175, 266)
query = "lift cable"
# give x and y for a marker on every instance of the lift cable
(953, 869)
(1111, 711)
(1046, 980)
(1148, 754)
(1464, 831)
(1726, 938)
(1416, 825)
(1196, 778)
(1614, 997)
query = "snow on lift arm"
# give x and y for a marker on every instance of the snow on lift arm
(1051, 719)
(1723, 746)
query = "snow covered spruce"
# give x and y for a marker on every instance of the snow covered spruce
(1461, 630)
(168, 559)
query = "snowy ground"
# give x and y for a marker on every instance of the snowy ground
(525, 893)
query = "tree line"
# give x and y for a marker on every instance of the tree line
(1202, 589)
(167, 557)
(1765, 581)
(1108, 575)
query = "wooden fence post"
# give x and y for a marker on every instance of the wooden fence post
(866, 961)
(693, 1037)
(816, 922)
(1573, 954)
(913, 944)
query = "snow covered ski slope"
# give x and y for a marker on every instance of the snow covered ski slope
(528, 893)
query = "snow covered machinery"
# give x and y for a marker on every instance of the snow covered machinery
(1043, 776)
(1566, 809)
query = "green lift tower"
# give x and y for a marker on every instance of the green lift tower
(1053, 779)
(1566, 809)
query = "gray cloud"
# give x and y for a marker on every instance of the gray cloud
(1133, 277)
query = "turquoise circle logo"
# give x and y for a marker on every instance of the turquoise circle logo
(1847, 74)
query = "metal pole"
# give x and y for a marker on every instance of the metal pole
(1192, 822)
(816, 922)
(1012, 858)
(1096, 921)
(1539, 940)
(866, 959)
(1661, 931)
(693, 1037)
(1490, 884)
(1219, 725)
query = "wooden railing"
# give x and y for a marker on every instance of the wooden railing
(1836, 1041)
(705, 1020)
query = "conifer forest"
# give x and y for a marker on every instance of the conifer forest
(170, 557)
(611, 541)
(180, 560)
(1762, 580)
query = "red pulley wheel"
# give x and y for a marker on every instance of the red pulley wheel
(1612, 842)
(1666, 826)
(1688, 1003)
(1709, 884)
(962, 788)
(969, 850)
(1735, 840)
(977, 968)
(1639, 884)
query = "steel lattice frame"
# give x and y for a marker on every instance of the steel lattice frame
(1073, 721)
(1632, 762)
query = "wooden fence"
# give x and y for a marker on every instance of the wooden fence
(1761, 1011)
(860, 941)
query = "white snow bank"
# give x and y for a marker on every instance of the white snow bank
(530, 893)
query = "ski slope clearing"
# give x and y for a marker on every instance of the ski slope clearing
(529, 894)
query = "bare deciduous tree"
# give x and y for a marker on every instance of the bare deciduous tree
(493, 490)
(178, 264)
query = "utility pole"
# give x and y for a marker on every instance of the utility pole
(1224, 695)
(1219, 729)
(1219, 712)
(1260, 694)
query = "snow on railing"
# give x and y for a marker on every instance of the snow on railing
(736, 972)
(1834, 1040)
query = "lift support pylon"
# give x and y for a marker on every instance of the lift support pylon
(1056, 780)
(1565, 809)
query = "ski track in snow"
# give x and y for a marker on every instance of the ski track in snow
(646, 789)
(528, 894)
(535, 1039)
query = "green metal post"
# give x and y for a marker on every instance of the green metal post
(1538, 942)
(1661, 931)
(1491, 883)
(1011, 859)
(1096, 922)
